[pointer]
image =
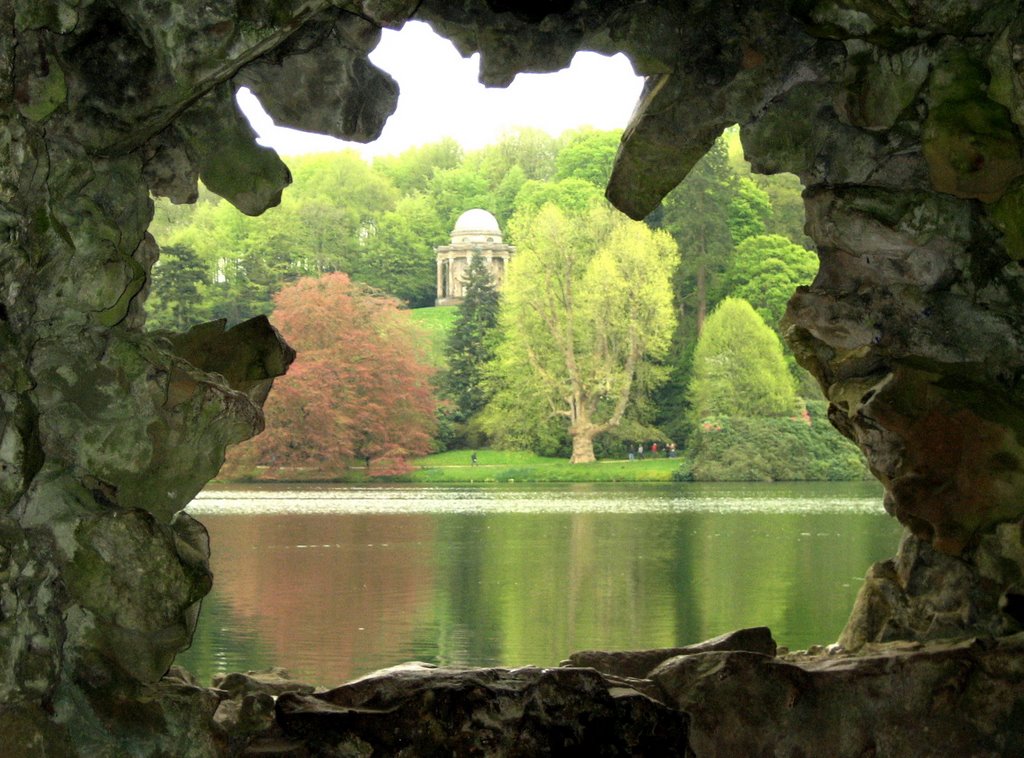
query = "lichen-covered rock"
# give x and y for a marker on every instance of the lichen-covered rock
(32, 598)
(122, 408)
(936, 700)
(640, 663)
(346, 96)
(246, 716)
(746, 59)
(230, 163)
(248, 355)
(417, 710)
(879, 85)
(137, 620)
(271, 682)
(923, 594)
(972, 147)
(166, 718)
(909, 328)
(908, 699)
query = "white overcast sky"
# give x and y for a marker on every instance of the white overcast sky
(440, 96)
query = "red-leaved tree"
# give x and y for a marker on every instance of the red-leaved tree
(359, 389)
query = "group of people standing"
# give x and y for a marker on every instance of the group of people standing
(637, 453)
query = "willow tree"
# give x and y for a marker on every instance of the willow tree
(587, 310)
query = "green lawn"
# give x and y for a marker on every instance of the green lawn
(437, 322)
(506, 466)
(456, 466)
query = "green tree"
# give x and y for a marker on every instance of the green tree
(532, 150)
(739, 368)
(749, 210)
(587, 304)
(337, 205)
(587, 154)
(505, 194)
(399, 256)
(176, 302)
(700, 217)
(325, 223)
(696, 214)
(787, 218)
(456, 190)
(766, 270)
(572, 195)
(411, 171)
(471, 341)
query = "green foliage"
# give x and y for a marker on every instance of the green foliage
(719, 205)
(456, 190)
(471, 342)
(321, 226)
(587, 154)
(505, 194)
(807, 447)
(587, 304)
(517, 415)
(177, 278)
(412, 171)
(697, 215)
(572, 195)
(766, 270)
(381, 223)
(786, 195)
(739, 368)
(749, 210)
(531, 150)
(399, 257)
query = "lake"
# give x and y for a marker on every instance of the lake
(333, 581)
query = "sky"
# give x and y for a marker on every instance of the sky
(440, 96)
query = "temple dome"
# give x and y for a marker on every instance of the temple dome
(476, 225)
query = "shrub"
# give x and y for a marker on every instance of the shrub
(806, 447)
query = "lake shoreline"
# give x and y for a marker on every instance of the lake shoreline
(563, 471)
(490, 467)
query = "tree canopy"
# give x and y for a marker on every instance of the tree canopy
(766, 270)
(739, 368)
(587, 303)
(359, 388)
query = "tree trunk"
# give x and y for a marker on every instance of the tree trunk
(583, 446)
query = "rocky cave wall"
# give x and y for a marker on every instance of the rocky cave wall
(902, 117)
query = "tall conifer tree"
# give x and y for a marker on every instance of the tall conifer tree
(471, 342)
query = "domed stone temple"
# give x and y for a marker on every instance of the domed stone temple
(904, 119)
(476, 232)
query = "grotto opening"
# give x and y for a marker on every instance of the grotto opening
(903, 119)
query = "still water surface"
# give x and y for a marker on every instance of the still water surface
(332, 582)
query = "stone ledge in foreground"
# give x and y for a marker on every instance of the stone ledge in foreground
(936, 699)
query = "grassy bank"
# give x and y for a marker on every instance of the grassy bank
(492, 466)
(437, 322)
(505, 466)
